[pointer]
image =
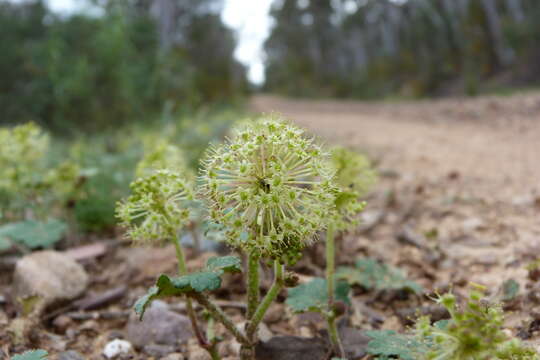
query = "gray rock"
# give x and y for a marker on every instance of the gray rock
(292, 348)
(51, 275)
(354, 342)
(70, 355)
(159, 326)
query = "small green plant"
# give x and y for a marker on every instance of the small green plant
(270, 189)
(32, 189)
(473, 332)
(370, 274)
(353, 176)
(32, 355)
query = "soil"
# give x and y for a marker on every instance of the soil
(457, 201)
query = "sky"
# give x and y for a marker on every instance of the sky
(249, 19)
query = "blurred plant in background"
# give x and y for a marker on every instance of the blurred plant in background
(35, 191)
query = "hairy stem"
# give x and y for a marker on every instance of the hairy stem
(220, 316)
(252, 284)
(330, 280)
(330, 265)
(182, 270)
(267, 300)
(334, 334)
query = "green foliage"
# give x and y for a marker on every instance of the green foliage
(384, 48)
(474, 332)
(121, 72)
(313, 296)
(30, 181)
(388, 343)
(370, 274)
(206, 280)
(32, 355)
(32, 234)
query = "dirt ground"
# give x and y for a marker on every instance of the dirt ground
(457, 201)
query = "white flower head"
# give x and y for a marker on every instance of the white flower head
(270, 186)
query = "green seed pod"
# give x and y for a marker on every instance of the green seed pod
(270, 187)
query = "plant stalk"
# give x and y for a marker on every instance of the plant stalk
(220, 316)
(330, 280)
(182, 270)
(252, 284)
(267, 300)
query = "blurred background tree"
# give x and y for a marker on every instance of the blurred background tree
(124, 62)
(374, 48)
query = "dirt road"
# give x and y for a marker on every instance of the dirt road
(494, 142)
(465, 170)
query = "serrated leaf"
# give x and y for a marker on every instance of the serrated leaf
(371, 274)
(32, 355)
(222, 264)
(34, 234)
(387, 343)
(313, 296)
(165, 286)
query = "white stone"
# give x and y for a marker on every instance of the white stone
(116, 347)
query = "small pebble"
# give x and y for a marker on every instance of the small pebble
(116, 347)
(62, 323)
(174, 356)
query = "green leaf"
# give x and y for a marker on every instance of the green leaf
(387, 343)
(370, 274)
(207, 280)
(32, 355)
(165, 286)
(222, 264)
(510, 289)
(313, 296)
(33, 234)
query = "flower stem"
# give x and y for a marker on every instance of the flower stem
(182, 270)
(220, 316)
(267, 301)
(330, 264)
(252, 284)
(334, 334)
(330, 280)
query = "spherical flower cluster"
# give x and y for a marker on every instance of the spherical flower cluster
(270, 187)
(162, 156)
(21, 150)
(63, 179)
(353, 176)
(353, 170)
(156, 210)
